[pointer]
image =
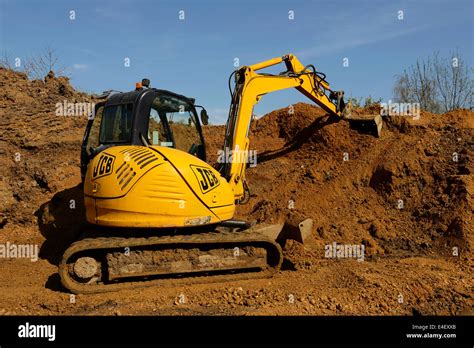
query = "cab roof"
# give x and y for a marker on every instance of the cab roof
(131, 97)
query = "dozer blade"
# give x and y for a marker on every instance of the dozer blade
(282, 232)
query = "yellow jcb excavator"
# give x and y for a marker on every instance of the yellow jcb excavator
(156, 211)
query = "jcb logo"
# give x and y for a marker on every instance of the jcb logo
(206, 178)
(104, 166)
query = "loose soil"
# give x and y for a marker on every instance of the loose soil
(406, 197)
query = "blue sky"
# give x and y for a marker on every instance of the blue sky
(195, 56)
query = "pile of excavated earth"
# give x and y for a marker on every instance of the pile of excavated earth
(405, 199)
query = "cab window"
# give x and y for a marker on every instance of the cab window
(172, 123)
(93, 136)
(116, 125)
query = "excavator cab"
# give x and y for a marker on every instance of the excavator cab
(144, 117)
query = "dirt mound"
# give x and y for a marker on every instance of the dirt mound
(39, 142)
(402, 193)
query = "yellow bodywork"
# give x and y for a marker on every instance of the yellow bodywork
(138, 186)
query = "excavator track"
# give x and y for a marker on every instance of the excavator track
(111, 249)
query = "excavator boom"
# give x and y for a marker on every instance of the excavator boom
(250, 86)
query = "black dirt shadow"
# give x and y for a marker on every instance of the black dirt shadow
(54, 283)
(61, 221)
(299, 139)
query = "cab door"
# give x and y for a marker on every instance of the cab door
(90, 141)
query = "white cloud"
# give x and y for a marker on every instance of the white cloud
(349, 32)
(356, 41)
(79, 66)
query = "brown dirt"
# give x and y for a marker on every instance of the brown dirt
(409, 267)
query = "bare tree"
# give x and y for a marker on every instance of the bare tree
(453, 82)
(36, 67)
(437, 84)
(5, 60)
(417, 85)
(40, 66)
(401, 88)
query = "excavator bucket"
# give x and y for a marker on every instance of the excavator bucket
(371, 124)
